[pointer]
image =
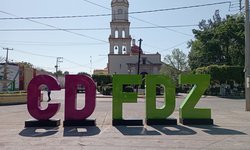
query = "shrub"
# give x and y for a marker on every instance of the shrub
(223, 73)
(128, 89)
(106, 90)
(102, 79)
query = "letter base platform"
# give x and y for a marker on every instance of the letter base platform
(196, 121)
(168, 121)
(122, 122)
(43, 123)
(79, 123)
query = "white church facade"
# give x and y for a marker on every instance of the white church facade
(124, 53)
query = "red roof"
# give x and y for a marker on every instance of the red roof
(135, 49)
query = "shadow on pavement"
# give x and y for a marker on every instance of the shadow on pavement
(174, 130)
(135, 131)
(216, 130)
(81, 131)
(38, 132)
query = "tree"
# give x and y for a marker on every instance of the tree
(84, 73)
(58, 73)
(177, 59)
(66, 73)
(170, 72)
(25, 64)
(218, 42)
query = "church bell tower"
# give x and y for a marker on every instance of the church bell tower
(120, 39)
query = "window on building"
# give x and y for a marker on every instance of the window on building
(116, 49)
(123, 34)
(124, 50)
(116, 34)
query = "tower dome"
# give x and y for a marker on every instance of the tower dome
(119, 1)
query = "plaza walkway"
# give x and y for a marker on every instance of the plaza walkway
(231, 129)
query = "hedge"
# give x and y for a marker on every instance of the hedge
(223, 73)
(102, 79)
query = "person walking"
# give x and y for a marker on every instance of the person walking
(48, 93)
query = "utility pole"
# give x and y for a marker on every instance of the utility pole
(139, 57)
(240, 5)
(58, 60)
(139, 62)
(7, 54)
(247, 56)
(5, 72)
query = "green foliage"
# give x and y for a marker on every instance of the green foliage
(128, 88)
(170, 71)
(218, 42)
(84, 73)
(58, 73)
(177, 59)
(106, 90)
(102, 79)
(25, 64)
(175, 64)
(223, 73)
(104, 83)
(66, 73)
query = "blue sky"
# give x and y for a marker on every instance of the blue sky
(42, 47)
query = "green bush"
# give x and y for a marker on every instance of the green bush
(102, 79)
(106, 90)
(128, 89)
(223, 73)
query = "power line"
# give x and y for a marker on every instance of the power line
(56, 17)
(180, 8)
(47, 56)
(139, 19)
(96, 29)
(170, 48)
(104, 15)
(35, 54)
(55, 57)
(96, 4)
(47, 43)
(162, 27)
(51, 26)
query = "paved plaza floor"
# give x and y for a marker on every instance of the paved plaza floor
(231, 129)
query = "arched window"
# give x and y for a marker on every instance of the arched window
(116, 34)
(116, 49)
(124, 50)
(123, 34)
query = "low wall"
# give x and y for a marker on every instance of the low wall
(12, 99)
(7, 99)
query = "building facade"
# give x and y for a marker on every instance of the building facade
(124, 54)
(14, 77)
